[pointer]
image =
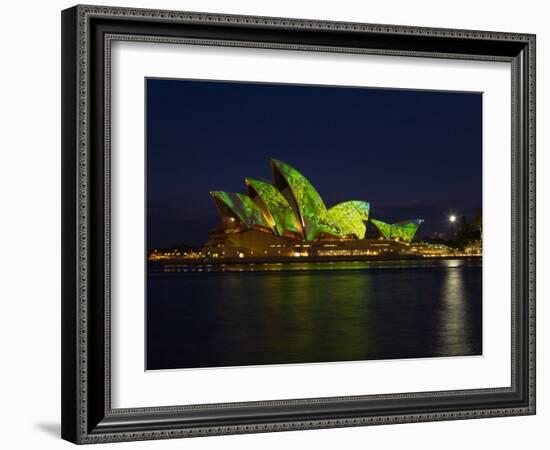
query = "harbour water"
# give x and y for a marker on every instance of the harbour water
(235, 315)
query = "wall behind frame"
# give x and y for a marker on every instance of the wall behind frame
(30, 229)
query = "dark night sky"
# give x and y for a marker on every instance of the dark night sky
(411, 154)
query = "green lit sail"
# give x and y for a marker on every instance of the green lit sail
(292, 206)
(349, 218)
(404, 230)
(242, 206)
(383, 228)
(276, 208)
(407, 229)
(311, 208)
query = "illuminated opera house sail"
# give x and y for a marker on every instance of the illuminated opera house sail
(404, 230)
(288, 217)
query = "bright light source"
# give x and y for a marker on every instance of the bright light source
(452, 218)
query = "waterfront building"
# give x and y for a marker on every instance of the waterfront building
(288, 218)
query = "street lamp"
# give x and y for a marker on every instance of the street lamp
(452, 218)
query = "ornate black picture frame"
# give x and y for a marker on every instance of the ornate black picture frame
(87, 34)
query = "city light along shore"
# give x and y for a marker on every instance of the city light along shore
(288, 221)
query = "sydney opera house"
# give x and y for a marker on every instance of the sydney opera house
(287, 218)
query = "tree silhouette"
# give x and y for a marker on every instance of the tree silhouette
(467, 232)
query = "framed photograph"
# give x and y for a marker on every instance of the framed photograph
(277, 224)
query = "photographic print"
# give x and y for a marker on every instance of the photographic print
(293, 223)
(275, 224)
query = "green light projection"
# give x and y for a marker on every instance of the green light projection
(383, 228)
(311, 208)
(277, 209)
(350, 217)
(246, 210)
(404, 230)
(292, 204)
(407, 229)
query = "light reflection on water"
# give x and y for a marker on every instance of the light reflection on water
(453, 313)
(300, 266)
(313, 312)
